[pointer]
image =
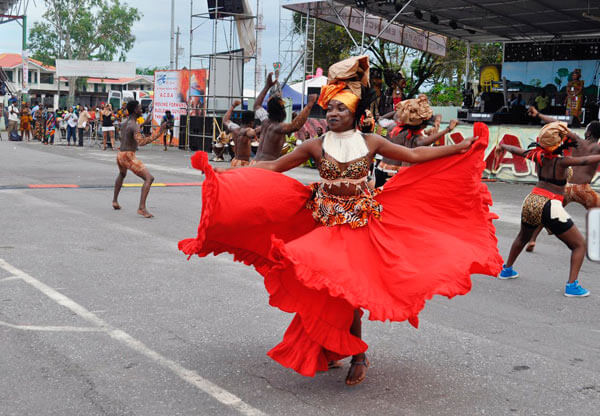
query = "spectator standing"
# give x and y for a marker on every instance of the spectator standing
(170, 120)
(71, 120)
(38, 117)
(50, 127)
(541, 101)
(26, 120)
(13, 117)
(108, 129)
(82, 124)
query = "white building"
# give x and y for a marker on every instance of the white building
(42, 85)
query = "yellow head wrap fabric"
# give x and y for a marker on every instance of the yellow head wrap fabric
(414, 112)
(344, 82)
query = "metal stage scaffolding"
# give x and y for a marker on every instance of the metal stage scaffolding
(200, 134)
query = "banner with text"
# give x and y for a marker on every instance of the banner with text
(174, 90)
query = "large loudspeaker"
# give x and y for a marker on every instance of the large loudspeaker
(316, 111)
(201, 129)
(222, 8)
(492, 101)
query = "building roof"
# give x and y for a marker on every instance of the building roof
(11, 60)
(137, 78)
(495, 20)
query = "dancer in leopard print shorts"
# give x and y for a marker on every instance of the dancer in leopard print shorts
(579, 188)
(544, 205)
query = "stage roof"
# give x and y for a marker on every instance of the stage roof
(495, 20)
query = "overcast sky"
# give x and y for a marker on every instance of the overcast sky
(152, 32)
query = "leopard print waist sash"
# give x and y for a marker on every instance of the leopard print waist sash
(355, 210)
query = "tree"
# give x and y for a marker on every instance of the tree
(443, 75)
(150, 70)
(85, 30)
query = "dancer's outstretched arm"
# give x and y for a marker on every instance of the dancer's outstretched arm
(418, 154)
(427, 140)
(298, 122)
(261, 96)
(533, 112)
(293, 159)
(512, 149)
(227, 117)
(579, 161)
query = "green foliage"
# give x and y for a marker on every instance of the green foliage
(563, 72)
(558, 82)
(536, 82)
(332, 44)
(83, 29)
(454, 63)
(444, 94)
(150, 70)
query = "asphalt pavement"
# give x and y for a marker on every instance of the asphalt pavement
(100, 314)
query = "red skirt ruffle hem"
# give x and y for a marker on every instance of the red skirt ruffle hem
(435, 231)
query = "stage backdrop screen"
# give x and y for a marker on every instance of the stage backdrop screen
(551, 74)
(226, 80)
(174, 90)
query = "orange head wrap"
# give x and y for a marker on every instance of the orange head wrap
(344, 81)
(339, 93)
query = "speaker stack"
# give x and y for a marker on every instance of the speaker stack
(219, 9)
(201, 130)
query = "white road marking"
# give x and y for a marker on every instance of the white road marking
(51, 328)
(185, 374)
(6, 279)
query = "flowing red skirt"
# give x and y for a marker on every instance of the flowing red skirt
(435, 231)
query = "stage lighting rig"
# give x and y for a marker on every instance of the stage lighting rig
(434, 19)
(361, 3)
(453, 24)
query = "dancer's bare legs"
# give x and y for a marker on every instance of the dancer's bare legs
(358, 367)
(148, 179)
(531, 243)
(575, 241)
(522, 238)
(118, 185)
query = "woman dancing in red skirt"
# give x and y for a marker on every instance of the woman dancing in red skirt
(333, 249)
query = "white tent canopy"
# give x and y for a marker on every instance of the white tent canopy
(313, 82)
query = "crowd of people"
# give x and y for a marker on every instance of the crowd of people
(43, 123)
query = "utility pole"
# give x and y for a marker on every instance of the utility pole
(172, 60)
(177, 49)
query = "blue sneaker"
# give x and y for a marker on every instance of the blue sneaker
(574, 290)
(508, 273)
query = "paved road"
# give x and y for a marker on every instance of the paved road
(101, 315)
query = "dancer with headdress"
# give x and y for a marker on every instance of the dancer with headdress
(544, 205)
(578, 188)
(408, 129)
(324, 249)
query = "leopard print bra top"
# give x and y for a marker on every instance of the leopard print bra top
(329, 169)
